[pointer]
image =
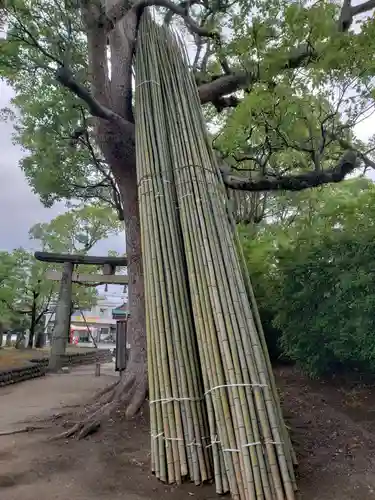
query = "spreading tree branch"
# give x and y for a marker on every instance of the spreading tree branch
(345, 145)
(12, 308)
(65, 77)
(46, 306)
(296, 182)
(362, 7)
(299, 57)
(185, 4)
(178, 10)
(121, 9)
(82, 135)
(227, 84)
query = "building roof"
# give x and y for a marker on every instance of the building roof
(120, 312)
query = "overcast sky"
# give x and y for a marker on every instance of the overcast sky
(20, 208)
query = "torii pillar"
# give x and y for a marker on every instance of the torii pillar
(60, 334)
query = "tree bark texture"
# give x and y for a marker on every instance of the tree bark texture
(8, 341)
(118, 147)
(123, 164)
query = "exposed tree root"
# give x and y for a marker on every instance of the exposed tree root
(29, 428)
(125, 396)
(105, 391)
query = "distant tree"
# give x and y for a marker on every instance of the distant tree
(25, 294)
(24, 291)
(78, 230)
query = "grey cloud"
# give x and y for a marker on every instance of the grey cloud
(20, 208)
(116, 242)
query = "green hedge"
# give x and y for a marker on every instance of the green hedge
(314, 279)
(326, 308)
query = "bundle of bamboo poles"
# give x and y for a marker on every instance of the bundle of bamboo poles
(177, 412)
(214, 406)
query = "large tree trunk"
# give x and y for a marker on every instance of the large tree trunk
(136, 368)
(121, 157)
(116, 142)
(20, 341)
(130, 392)
(118, 147)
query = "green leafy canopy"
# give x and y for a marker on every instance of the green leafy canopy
(23, 282)
(287, 119)
(313, 267)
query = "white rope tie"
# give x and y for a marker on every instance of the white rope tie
(147, 81)
(234, 385)
(161, 435)
(155, 436)
(194, 443)
(214, 440)
(185, 196)
(171, 399)
(248, 445)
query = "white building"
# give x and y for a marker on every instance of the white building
(96, 323)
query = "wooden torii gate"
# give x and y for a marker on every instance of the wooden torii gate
(66, 277)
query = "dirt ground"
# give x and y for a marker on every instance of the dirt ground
(332, 424)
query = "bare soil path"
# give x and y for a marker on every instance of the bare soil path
(333, 426)
(41, 397)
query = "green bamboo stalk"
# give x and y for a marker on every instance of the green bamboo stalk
(179, 349)
(160, 354)
(160, 209)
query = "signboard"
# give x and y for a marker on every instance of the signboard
(89, 319)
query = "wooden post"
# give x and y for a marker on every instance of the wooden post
(62, 319)
(121, 345)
